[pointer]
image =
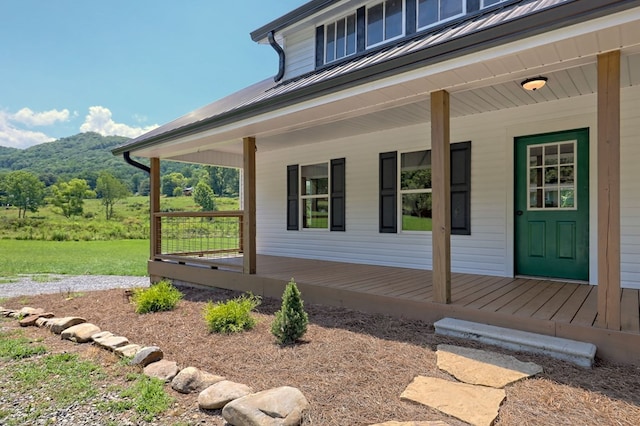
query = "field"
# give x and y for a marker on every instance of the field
(47, 242)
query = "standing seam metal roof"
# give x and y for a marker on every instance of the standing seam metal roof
(268, 91)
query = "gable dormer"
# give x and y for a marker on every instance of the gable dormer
(326, 32)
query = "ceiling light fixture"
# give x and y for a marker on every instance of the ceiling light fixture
(534, 83)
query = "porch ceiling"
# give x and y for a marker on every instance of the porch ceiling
(481, 82)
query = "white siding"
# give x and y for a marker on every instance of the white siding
(489, 248)
(300, 53)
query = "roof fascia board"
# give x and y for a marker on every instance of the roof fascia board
(564, 15)
(290, 18)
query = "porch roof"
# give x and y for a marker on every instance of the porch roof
(490, 28)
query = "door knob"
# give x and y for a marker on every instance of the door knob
(519, 212)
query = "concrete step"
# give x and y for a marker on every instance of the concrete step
(578, 353)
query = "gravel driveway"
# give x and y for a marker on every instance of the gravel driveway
(68, 284)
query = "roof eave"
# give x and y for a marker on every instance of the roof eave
(290, 18)
(544, 21)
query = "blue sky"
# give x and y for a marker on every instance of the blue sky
(123, 66)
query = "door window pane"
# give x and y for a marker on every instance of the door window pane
(552, 180)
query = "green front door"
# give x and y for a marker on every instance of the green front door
(552, 205)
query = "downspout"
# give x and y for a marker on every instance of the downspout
(127, 157)
(278, 49)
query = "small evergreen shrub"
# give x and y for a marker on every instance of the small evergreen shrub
(159, 297)
(291, 320)
(231, 316)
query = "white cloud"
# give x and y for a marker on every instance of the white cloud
(99, 120)
(13, 137)
(45, 118)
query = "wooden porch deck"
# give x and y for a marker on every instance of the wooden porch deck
(562, 309)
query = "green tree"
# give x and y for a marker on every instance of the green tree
(290, 322)
(110, 190)
(69, 196)
(24, 191)
(203, 195)
(172, 181)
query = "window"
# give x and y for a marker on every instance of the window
(415, 190)
(385, 21)
(340, 38)
(405, 190)
(318, 192)
(314, 192)
(431, 12)
(552, 177)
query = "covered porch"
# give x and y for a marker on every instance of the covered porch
(556, 308)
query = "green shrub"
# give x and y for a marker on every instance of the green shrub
(231, 316)
(291, 320)
(159, 297)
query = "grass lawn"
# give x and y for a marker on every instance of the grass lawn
(118, 257)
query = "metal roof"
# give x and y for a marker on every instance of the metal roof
(489, 28)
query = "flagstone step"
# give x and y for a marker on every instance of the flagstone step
(579, 353)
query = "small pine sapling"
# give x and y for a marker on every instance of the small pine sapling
(291, 320)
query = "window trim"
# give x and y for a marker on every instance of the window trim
(440, 21)
(384, 41)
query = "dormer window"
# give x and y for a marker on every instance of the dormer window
(431, 12)
(340, 38)
(385, 21)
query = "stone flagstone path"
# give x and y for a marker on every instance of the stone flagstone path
(477, 400)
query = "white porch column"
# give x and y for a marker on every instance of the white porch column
(441, 196)
(249, 226)
(609, 190)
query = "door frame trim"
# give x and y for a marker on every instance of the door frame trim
(527, 128)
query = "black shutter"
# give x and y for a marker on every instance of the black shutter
(319, 46)
(461, 188)
(292, 198)
(388, 192)
(361, 29)
(338, 194)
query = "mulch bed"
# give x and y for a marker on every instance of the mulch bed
(351, 366)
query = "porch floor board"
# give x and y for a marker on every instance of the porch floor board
(565, 309)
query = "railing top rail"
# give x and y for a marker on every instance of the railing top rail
(231, 213)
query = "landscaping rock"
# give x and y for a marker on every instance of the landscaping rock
(163, 370)
(128, 350)
(146, 356)
(111, 342)
(42, 321)
(220, 394)
(80, 333)
(428, 423)
(281, 406)
(478, 367)
(5, 312)
(191, 379)
(477, 405)
(26, 311)
(101, 335)
(30, 320)
(58, 325)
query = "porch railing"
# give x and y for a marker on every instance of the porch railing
(208, 238)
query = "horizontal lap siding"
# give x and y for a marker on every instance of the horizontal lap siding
(482, 252)
(299, 53)
(630, 188)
